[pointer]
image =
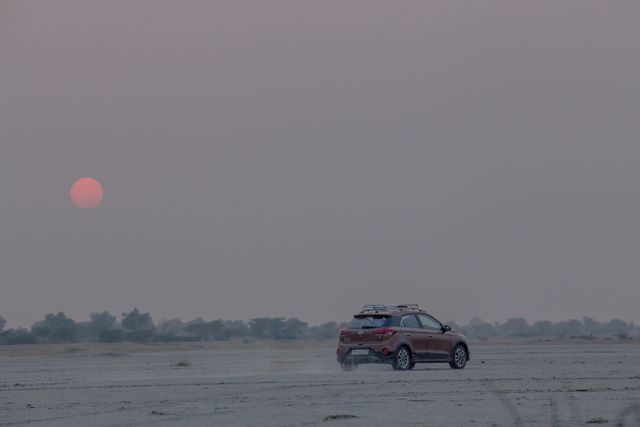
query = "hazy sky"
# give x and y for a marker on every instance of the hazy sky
(302, 158)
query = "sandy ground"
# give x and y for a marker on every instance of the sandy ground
(280, 384)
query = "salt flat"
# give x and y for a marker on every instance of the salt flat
(502, 385)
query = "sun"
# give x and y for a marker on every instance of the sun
(87, 193)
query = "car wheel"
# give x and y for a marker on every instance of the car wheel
(348, 367)
(402, 359)
(459, 359)
(413, 365)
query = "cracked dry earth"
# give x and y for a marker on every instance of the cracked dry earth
(502, 386)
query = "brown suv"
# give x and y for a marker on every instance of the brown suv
(401, 335)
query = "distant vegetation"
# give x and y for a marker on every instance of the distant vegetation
(587, 328)
(140, 327)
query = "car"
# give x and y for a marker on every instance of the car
(400, 335)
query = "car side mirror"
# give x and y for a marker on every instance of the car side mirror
(446, 328)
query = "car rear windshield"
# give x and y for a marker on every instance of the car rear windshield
(367, 322)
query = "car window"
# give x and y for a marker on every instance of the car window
(366, 322)
(409, 321)
(429, 322)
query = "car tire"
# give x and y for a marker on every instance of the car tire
(413, 365)
(348, 367)
(402, 360)
(459, 357)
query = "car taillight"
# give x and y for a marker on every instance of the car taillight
(384, 331)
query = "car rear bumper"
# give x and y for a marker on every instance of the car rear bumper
(344, 355)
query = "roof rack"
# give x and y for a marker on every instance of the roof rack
(408, 307)
(382, 307)
(374, 307)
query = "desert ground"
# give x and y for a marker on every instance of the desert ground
(300, 384)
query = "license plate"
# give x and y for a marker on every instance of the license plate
(359, 352)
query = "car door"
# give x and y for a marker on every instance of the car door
(415, 334)
(437, 344)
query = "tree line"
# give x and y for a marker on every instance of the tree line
(587, 328)
(139, 327)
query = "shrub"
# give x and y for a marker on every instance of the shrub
(55, 328)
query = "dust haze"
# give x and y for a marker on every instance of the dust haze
(304, 158)
(269, 167)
